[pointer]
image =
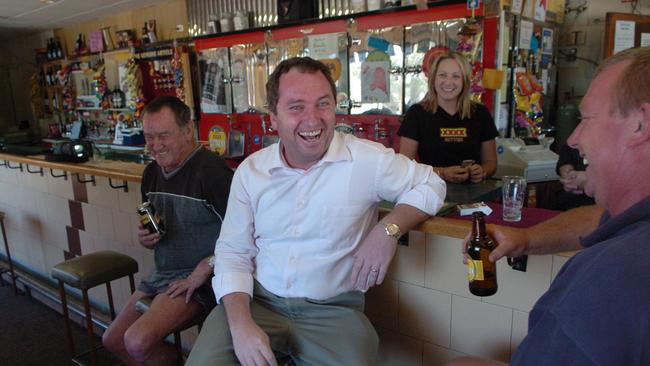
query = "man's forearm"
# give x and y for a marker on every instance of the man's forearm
(238, 311)
(406, 217)
(562, 233)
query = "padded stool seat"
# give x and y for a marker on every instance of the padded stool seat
(94, 269)
(10, 263)
(143, 304)
(84, 273)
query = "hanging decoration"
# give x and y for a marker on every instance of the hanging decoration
(470, 36)
(177, 72)
(528, 99)
(132, 87)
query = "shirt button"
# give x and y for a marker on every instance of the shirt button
(292, 258)
(296, 231)
(289, 285)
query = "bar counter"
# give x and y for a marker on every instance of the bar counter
(423, 312)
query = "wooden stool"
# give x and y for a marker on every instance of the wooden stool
(143, 304)
(84, 273)
(10, 269)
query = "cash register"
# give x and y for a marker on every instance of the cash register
(532, 159)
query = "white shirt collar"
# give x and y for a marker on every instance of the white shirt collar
(337, 151)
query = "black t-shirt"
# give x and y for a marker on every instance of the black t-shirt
(445, 140)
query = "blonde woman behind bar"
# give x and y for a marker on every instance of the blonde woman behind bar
(446, 129)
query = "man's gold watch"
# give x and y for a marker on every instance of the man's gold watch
(392, 229)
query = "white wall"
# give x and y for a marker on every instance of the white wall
(575, 77)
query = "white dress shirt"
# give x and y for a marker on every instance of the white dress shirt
(295, 230)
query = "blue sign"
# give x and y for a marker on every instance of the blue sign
(472, 4)
(257, 139)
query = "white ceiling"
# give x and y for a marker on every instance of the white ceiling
(21, 17)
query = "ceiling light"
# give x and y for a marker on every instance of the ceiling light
(51, 1)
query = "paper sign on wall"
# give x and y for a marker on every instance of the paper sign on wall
(623, 35)
(547, 41)
(645, 39)
(96, 41)
(323, 46)
(525, 34)
(540, 10)
(375, 82)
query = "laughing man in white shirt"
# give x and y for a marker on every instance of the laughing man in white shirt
(300, 243)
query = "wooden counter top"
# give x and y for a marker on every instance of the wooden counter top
(119, 170)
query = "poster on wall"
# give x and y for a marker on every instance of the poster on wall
(623, 35)
(645, 39)
(375, 81)
(547, 41)
(540, 10)
(525, 34)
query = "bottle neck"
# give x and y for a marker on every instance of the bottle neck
(478, 227)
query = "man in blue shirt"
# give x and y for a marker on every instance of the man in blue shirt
(597, 311)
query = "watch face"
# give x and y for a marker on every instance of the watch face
(392, 230)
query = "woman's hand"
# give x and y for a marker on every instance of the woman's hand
(476, 173)
(455, 174)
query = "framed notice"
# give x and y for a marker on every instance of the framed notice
(96, 41)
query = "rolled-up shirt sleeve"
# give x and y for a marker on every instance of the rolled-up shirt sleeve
(235, 249)
(404, 181)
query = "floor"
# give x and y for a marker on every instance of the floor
(32, 334)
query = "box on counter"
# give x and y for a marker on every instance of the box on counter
(469, 208)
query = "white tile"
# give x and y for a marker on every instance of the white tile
(54, 233)
(129, 201)
(57, 209)
(398, 350)
(481, 329)
(91, 223)
(445, 270)
(424, 313)
(59, 186)
(134, 222)
(87, 241)
(35, 250)
(101, 243)
(10, 194)
(103, 195)
(122, 226)
(53, 255)
(558, 263)
(434, 355)
(519, 329)
(409, 261)
(521, 290)
(381, 305)
(105, 223)
(8, 175)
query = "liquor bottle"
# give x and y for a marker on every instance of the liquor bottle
(50, 49)
(481, 273)
(59, 50)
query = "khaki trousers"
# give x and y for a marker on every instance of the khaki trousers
(309, 332)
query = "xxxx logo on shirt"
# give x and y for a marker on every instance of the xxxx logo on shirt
(453, 134)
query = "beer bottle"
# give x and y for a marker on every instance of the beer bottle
(481, 273)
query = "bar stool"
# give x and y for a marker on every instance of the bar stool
(143, 304)
(84, 273)
(10, 264)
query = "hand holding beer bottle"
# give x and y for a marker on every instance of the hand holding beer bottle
(481, 273)
(151, 228)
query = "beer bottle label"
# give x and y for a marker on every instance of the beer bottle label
(474, 270)
(144, 219)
